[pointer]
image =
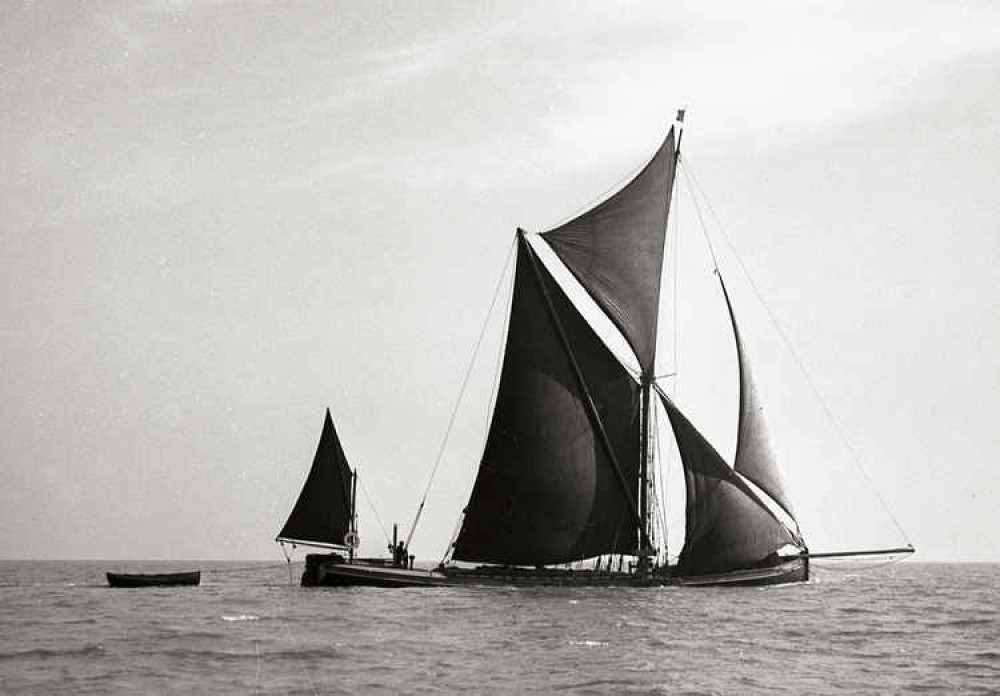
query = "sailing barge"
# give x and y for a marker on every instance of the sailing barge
(566, 473)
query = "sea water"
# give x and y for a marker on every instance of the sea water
(907, 628)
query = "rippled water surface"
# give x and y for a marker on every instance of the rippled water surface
(904, 629)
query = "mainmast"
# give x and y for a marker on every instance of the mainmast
(646, 380)
(571, 425)
(646, 551)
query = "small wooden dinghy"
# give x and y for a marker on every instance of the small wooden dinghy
(153, 579)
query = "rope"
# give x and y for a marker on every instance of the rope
(701, 220)
(288, 561)
(661, 476)
(458, 401)
(662, 471)
(493, 395)
(283, 614)
(839, 566)
(223, 571)
(378, 519)
(675, 241)
(689, 174)
(606, 194)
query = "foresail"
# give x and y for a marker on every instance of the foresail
(547, 491)
(615, 251)
(727, 526)
(754, 455)
(322, 513)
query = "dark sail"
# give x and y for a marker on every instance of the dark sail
(754, 457)
(546, 491)
(615, 250)
(728, 527)
(322, 513)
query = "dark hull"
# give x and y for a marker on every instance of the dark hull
(330, 570)
(154, 579)
(791, 570)
(323, 571)
(550, 577)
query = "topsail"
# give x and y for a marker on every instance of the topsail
(615, 250)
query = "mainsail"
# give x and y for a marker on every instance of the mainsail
(322, 514)
(727, 526)
(547, 490)
(615, 250)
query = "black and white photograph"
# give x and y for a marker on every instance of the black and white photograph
(507, 347)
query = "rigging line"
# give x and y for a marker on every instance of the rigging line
(701, 220)
(288, 561)
(662, 480)
(461, 393)
(451, 542)
(372, 506)
(497, 365)
(663, 469)
(286, 627)
(689, 173)
(608, 192)
(676, 244)
(223, 571)
(850, 566)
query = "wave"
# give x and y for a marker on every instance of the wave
(304, 654)
(204, 655)
(857, 610)
(962, 623)
(47, 653)
(602, 686)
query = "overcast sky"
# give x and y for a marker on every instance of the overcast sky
(219, 218)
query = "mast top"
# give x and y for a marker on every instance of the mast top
(679, 127)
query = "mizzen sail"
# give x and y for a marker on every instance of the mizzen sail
(615, 250)
(547, 490)
(322, 514)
